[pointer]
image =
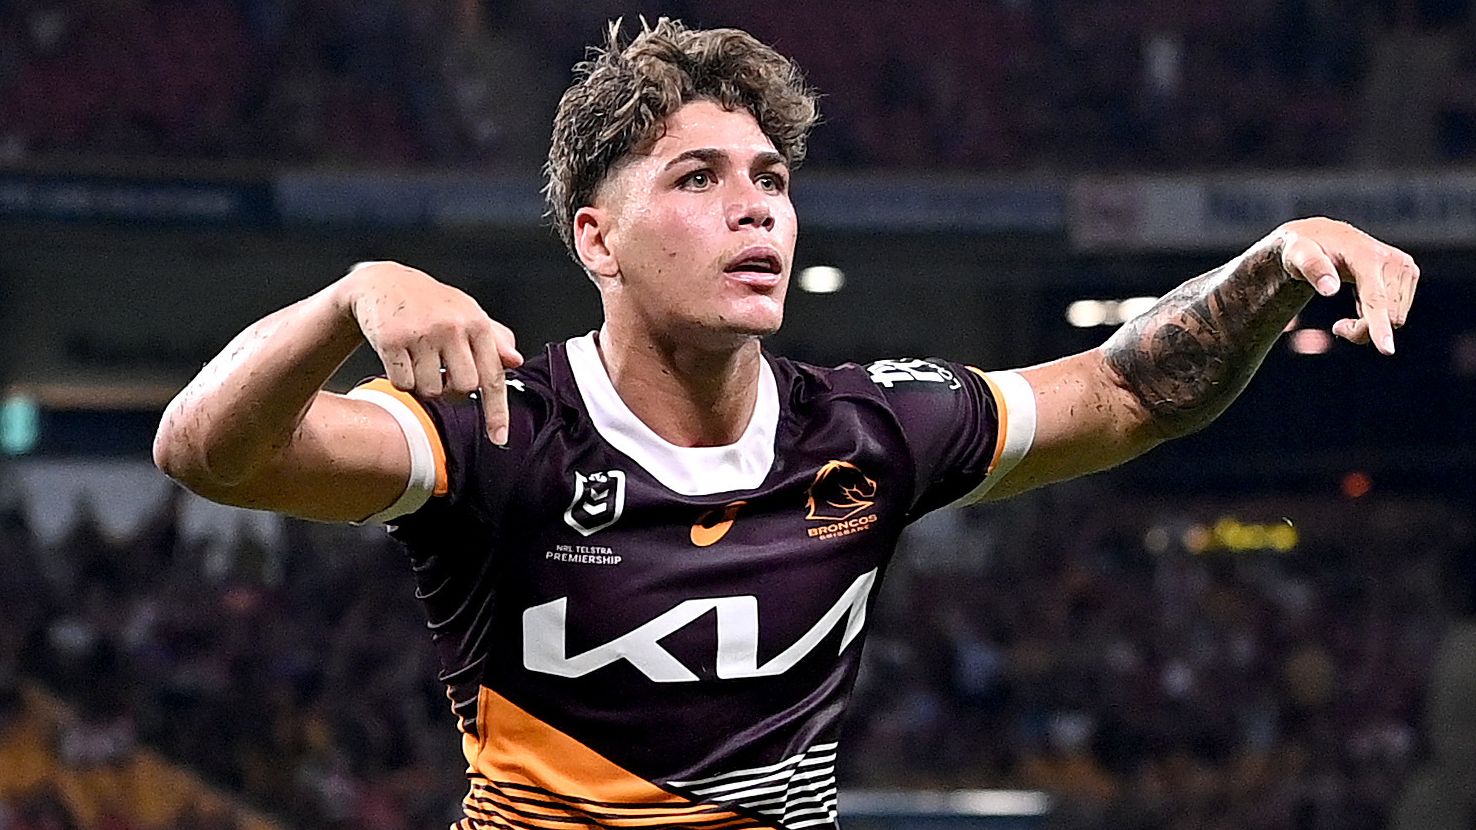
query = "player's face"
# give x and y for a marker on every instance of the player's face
(700, 229)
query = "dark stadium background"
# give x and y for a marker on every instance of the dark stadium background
(1266, 625)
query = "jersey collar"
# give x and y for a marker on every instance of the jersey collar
(690, 471)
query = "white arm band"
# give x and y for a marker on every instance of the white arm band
(1015, 401)
(422, 481)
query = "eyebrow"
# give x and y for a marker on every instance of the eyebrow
(712, 155)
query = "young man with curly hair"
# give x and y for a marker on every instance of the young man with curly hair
(646, 553)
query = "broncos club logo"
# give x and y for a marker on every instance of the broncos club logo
(840, 490)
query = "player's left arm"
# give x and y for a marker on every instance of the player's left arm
(1173, 370)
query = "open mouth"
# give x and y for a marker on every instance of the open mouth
(756, 266)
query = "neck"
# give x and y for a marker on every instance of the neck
(689, 396)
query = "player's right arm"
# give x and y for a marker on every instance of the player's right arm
(255, 428)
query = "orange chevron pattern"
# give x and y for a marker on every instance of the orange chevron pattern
(526, 775)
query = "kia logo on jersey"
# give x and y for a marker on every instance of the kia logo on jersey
(546, 638)
(599, 499)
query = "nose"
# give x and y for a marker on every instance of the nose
(749, 208)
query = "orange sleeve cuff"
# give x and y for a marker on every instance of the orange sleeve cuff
(432, 435)
(1004, 416)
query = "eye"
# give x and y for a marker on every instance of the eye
(696, 180)
(772, 182)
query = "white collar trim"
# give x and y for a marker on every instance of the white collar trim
(690, 471)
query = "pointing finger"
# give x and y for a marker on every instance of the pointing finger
(492, 381)
(1373, 293)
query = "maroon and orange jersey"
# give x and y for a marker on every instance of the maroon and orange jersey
(636, 634)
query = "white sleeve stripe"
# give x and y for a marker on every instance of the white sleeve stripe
(1018, 426)
(422, 481)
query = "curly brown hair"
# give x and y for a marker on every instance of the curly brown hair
(624, 92)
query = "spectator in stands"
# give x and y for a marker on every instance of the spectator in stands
(1157, 690)
(1439, 796)
(981, 85)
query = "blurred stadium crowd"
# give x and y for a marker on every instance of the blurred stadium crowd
(1004, 84)
(1148, 690)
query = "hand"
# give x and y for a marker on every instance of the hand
(1328, 253)
(420, 327)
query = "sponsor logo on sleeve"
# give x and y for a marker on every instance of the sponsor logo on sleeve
(889, 373)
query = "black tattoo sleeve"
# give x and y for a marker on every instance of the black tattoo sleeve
(1190, 355)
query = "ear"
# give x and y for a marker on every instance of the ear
(591, 224)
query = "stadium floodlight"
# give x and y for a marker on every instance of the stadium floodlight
(1087, 313)
(940, 804)
(1133, 307)
(822, 279)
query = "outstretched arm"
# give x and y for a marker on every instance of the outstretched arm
(1174, 369)
(254, 429)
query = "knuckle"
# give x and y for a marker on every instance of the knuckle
(440, 328)
(477, 325)
(391, 338)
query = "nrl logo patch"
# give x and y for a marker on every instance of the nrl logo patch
(599, 499)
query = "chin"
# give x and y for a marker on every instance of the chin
(754, 323)
(729, 331)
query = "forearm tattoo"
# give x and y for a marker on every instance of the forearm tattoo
(1191, 354)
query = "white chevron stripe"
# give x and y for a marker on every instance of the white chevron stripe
(818, 795)
(789, 818)
(812, 821)
(746, 796)
(813, 786)
(785, 803)
(728, 789)
(818, 772)
(744, 773)
(801, 786)
(821, 808)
